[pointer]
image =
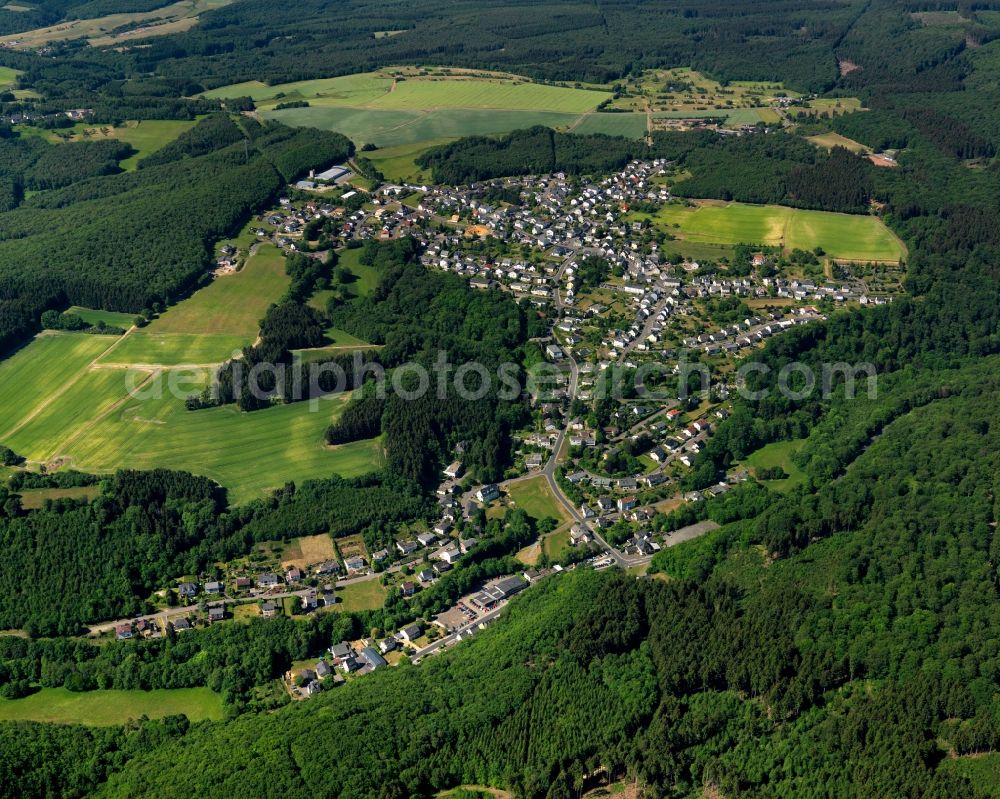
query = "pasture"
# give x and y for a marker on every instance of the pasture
(843, 236)
(146, 136)
(214, 322)
(110, 707)
(248, 453)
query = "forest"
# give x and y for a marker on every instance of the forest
(132, 240)
(765, 679)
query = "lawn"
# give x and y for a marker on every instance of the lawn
(778, 453)
(249, 453)
(842, 236)
(111, 318)
(534, 498)
(362, 595)
(106, 708)
(213, 322)
(395, 127)
(24, 386)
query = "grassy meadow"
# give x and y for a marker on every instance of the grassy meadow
(248, 453)
(842, 236)
(778, 453)
(534, 498)
(111, 318)
(110, 707)
(25, 388)
(213, 322)
(828, 141)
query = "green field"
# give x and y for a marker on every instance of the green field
(212, 323)
(24, 387)
(828, 141)
(534, 498)
(391, 128)
(8, 77)
(111, 318)
(359, 596)
(379, 90)
(34, 498)
(632, 126)
(249, 453)
(94, 392)
(398, 163)
(106, 708)
(842, 236)
(778, 453)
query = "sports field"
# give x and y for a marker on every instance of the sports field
(214, 322)
(842, 236)
(106, 708)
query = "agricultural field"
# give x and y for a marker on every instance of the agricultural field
(223, 443)
(392, 128)
(114, 28)
(535, 498)
(828, 141)
(109, 707)
(629, 125)
(212, 323)
(25, 388)
(418, 92)
(843, 236)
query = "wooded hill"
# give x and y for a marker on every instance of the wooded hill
(128, 241)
